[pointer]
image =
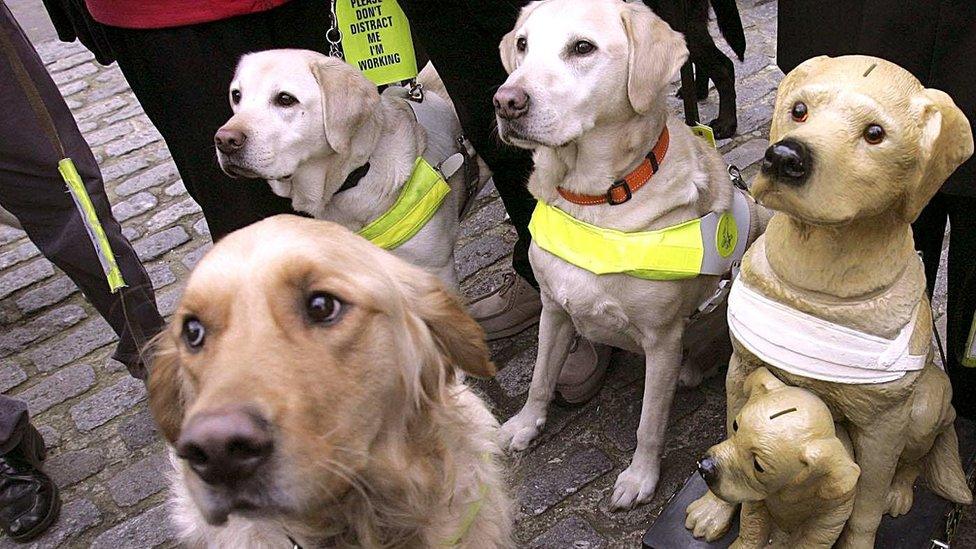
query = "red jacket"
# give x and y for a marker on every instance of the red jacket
(156, 14)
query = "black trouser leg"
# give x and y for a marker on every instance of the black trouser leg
(461, 38)
(32, 189)
(14, 420)
(181, 77)
(961, 298)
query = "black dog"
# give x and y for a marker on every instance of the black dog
(709, 61)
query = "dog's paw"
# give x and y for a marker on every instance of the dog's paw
(635, 485)
(900, 499)
(709, 517)
(724, 128)
(519, 431)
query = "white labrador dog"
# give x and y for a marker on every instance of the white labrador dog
(586, 92)
(317, 130)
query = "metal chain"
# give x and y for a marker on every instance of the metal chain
(334, 35)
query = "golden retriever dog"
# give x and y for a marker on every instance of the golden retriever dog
(587, 92)
(788, 465)
(306, 384)
(859, 148)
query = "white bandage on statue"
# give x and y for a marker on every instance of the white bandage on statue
(808, 346)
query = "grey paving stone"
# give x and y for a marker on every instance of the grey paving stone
(168, 300)
(115, 86)
(11, 376)
(23, 252)
(9, 234)
(74, 87)
(51, 51)
(108, 403)
(133, 206)
(71, 75)
(176, 189)
(155, 245)
(124, 168)
(201, 228)
(516, 374)
(483, 220)
(548, 485)
(76, 517)
(480, 254)
(58, 387)
(138, 431)
(131, 233)
(149, 529)
(91, 335)
(132, 142)
(571, 532)
(124, 114)
(47, 294)
(161, 275)
(191, 259)
(44, 326)
(24, 276)
(104, 135)
(150, 178)
(172, 213)
(101, 108)
(52, 438)
(70, 61)
(140, 480)
(69, 468)
(747, 154)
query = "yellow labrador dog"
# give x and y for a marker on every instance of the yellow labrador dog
(586, 92)
(317, 130)
(307, 386)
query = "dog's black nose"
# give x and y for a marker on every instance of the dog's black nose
(708, 469)
(229, 140)
(788, 160)
(511, 102)
(225, 447)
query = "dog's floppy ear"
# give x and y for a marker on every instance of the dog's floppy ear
(348, 100)
(458, 337)
(946, 142)
(507, 46)
(784, 93)
(761, 382)
(656, 54)
(166, 402)
(828, 459)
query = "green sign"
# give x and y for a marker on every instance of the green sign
(376, 39)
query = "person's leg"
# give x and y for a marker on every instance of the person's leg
(961, 302)
(29, 500)
(461, 38)
(181, 76)
(32, 189)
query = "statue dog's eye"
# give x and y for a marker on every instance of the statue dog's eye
(874, 134)
(759, 468)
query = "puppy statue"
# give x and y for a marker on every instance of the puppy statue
(793, 473)
(832, 298)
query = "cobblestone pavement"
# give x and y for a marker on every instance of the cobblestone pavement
(105, 452)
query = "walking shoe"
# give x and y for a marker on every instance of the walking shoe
(29, 500)
(510, 309)
(582, 375)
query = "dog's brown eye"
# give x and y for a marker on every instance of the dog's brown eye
(284, 99)
(874, 134)
(583, 47)
(759, 468)
(521, 44)
(735, 426)
(193, 333)
(235, 96)
(799, 111)
(323, 308)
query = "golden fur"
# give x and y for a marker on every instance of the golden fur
(376, 444)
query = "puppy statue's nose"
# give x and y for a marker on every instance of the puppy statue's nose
(708, 469)
(226, 446)
(788, 160)
(229, 140)
(511, 102)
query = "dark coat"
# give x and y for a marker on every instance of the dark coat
(933, 39)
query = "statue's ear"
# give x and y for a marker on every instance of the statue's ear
(760, 382)
(946, 141)
(829, 460)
